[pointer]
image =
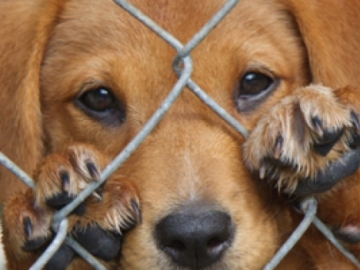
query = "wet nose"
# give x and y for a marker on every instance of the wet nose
(195, 238)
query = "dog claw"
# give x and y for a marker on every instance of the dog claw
(318, 126)
(65, 181)
(262, 170)
(278, 147)
(27, 226)
(97, 195)
(136, 209)
(94, 173)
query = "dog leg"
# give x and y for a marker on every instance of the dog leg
(302, 135)
(97, 224)
(308, 145)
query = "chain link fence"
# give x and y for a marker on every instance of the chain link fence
(182, 66)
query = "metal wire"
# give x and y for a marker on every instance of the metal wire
(59, 227)
(171, 40)
(182, 66)
(183, 51)
(19, 173)
(175, 92)
(53, 247)
(131, 147)
(203, 32)
(217, 108)
(84, 253)
(309, 207)
(330, 236)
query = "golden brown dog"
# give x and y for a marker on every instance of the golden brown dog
(80, 79)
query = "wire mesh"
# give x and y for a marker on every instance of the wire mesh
(182, 66)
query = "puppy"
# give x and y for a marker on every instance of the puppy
(81, 78)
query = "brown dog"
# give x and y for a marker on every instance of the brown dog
(81, 78)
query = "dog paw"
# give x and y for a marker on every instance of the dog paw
(304, 136)
(97, 223)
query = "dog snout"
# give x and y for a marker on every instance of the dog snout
(195, 238)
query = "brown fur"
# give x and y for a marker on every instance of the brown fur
(52, 50)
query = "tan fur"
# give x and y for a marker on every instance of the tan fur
(51, 51)
(292, 120)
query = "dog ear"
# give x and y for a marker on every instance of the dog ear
(25, 28)
(330, 32)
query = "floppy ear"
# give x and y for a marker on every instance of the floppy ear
(330, 30)
(25, 29)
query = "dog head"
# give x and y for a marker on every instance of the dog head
(80, 71)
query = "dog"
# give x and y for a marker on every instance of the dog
(81, 78)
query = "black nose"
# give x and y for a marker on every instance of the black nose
(195, 238)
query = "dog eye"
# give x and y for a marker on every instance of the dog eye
(254, 83)
(252, 89)
(99, 100)
(102, 105)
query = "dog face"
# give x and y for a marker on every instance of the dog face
(103, 74)
(191, 164)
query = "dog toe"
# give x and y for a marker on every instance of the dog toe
(86, 161)
(119, 209)
(32, 243)
(301, 136)
(327, 141)
(61, 176)
(31, 225)
(98, 223)
(59, 200)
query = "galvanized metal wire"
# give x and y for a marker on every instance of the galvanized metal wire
(185, 50)
(330, 236)
(184, 79)
(53, 247)
(59, 227)
(182, 66)
(309, 206)
(19, 173)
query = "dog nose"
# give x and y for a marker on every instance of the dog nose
(195, 238)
